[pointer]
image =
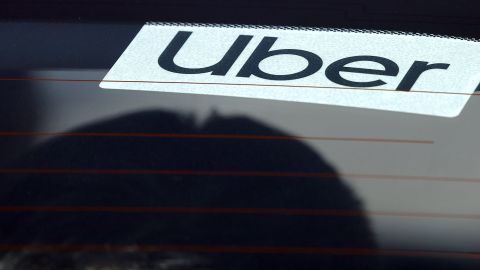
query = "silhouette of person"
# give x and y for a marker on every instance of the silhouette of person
(144, 188)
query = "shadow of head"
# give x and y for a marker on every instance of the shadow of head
(259, 175)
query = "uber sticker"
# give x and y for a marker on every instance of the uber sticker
(376, 70)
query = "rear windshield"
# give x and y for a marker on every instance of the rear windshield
(98, 177)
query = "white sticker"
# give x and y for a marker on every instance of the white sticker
(384, 71)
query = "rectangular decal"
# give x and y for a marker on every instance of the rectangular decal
(389, 71)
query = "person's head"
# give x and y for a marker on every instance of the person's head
(229, 182)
